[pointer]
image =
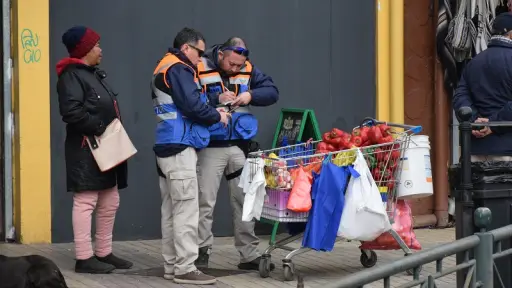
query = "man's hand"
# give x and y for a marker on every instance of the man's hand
(242, 99)
(482, 132)
(224, 117)
(227, 96)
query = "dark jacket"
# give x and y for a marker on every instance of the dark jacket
(87, 106)
(486, 87)
(263, 90)
(186, 96)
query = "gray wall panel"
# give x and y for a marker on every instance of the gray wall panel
(353, 62)
(319, 53)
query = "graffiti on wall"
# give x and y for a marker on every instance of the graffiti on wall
(30, 43)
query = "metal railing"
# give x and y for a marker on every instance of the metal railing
(479, 271)
(499, 235)
(465, 204)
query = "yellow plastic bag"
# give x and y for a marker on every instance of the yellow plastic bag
(345, 158)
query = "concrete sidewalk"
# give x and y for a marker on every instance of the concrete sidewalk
(318, 268)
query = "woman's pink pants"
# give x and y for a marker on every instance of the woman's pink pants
(106, 203)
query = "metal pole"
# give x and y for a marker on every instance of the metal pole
(484, 250)
(8, 119)
(455, 139)
(464, 199)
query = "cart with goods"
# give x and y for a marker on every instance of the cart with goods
(381, 145)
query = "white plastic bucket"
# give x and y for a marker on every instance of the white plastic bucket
(416, 176)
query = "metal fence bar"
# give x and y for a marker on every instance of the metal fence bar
(499, 235)
(498, 275)
(502, 233)
(464, 205)
(431, 283)
(470, 278)
(414, 283)
(481, 268)
(484, 261)
(502, 254)
(410, 262)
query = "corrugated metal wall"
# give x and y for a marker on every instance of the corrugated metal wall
(321, 54)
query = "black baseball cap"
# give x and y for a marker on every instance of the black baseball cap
(502, 24)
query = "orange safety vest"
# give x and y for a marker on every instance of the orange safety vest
(172, 126)
(212, 82)
(243, 125)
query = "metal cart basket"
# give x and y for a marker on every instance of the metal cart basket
(280, 161)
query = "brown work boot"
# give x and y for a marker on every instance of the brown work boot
(195, 277)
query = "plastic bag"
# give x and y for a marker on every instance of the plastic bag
(403, 226)
(314, 166)
(364, 217)
(345, 158)
(300, 196)
(328, 202)
(252, 181)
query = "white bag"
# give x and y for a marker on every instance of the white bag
(113, 146)
(364, 216)
(252, 181)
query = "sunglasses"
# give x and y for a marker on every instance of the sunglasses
(238, 50)
(199, 51)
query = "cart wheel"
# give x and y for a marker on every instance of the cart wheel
(368, 262)
(288, 272)
(265, 266)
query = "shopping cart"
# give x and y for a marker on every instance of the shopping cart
(384, 160)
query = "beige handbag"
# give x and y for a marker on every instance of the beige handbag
(113, 147)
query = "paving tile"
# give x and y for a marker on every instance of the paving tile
(318, 268)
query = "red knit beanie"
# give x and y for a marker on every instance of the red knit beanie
(79, 40)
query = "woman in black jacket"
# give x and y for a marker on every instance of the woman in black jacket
(88, 105)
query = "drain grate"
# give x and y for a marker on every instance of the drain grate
(159, 272)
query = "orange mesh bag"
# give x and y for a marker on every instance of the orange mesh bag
(300, 196)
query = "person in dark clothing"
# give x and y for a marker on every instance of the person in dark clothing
(486, 87)
(228, 76)
(88, 105)
(183, 116)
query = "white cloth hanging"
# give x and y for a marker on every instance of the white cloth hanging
(253, 183)
(486, 15)
(483, 12)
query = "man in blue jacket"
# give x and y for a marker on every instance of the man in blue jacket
(227, 76)
(182, 116)
(486, 87)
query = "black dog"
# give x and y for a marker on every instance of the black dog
(31, 271)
